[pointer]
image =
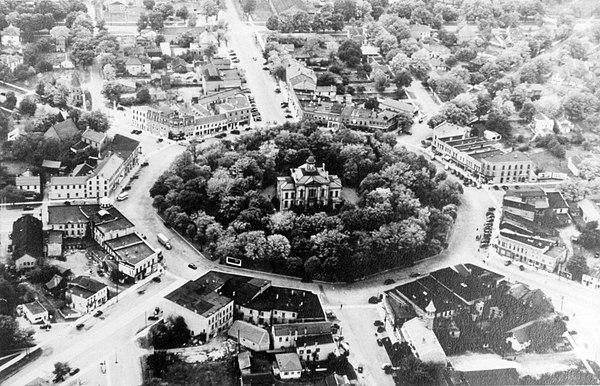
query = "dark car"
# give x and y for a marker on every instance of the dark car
(160, 140)
(235, 132)
(415, 274)
(152, 317)
(120, 108)
(192, 266)
(389, 281)
(98, 313)
(288, 116)
(221, 135)
(74, 371)
(45, 327)
(80, 326)
(145, 163)
(507, 263)
(156, 279)
(521, 267)
(67, 203)
(265, 68)
(126, 188)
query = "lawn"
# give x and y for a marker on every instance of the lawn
(543, 159)
(219, 373)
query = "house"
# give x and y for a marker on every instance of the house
(204, 309)
(539, 252)
(285, 335)
(309, 185)
(72, 83)
(564, 125)
(67, 187)
(28, 182)
(491, 135)
(370, 52)
(250, 336)
(179, 65)
(208, 38)
(116, 11)
(399, 106)
(287, 366)
(35, 312)
(300, 78)
(236, 109)
(423, 342)
(214, 79)
(86, 294)
(573, 163)
(592, 278)
(96, 139)
(589, 210)
(467, 33)
(419, 31)
(62, 131)
(11, 61)
(11, 37)
(137, 66)
(316, 347)
(55, 244)
(56, 285)
(27, 241)
(542, 124)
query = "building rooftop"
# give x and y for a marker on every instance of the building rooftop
(199, 296)
(535, 242)
(62, 130)
(85, 287)
(302, 329)
(424, 341)
(130, 249)
(311, 340)
(109, 167)
(51, 164)
(93, 136)
(122, 145)
(556, 200)
(255, 334)
(448, 130)
(466, 286)
(514, 156)
(35, 307)
(27, 237)
(288, 362)
(27, 181)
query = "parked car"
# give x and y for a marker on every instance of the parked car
(160, 140)
(145, 163)
(289, 116)
(389, 281)
(521, 267)
(507, 263)
(98, 313)
(265, 68)
(152, 317)
(28, 207)
(74, 371)
(192, 266)
(330, 315)
(126, 188)
(80, 326)
(156, 279)
(415, 274)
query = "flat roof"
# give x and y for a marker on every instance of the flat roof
(35, 307)
(199, 296)
(130, 249)
(424, 341)
(305, 328)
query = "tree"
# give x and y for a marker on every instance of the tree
(405, 121)
(208, 8)
(182, 13)
(273, 23)
(371, 103)
(528, 111)
(326, 79)
(402, 79)
(11, 336)
(415, 372)
(96, 120)
(11, 100)
(350, 53)
(109, 72)
(149, 4)
(210, 50)
(577, 266)
(577, 105)
(381, 80)
(143, 96)
(544, 333)
(112, 91)
(249, 6)
(171, 333)
(61, 370)
(449, 86)
(27, 106)
(589, 168)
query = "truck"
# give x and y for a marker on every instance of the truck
(164, 240)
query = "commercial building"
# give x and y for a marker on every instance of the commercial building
(212, 301)
(35, 312)
(96, 139)
(86, 294)
(308, 186)
(27, 242)
(216, 79)
(28, 182)
(286, 335)
(118, 158)
(134, 257)
(480, 156)
(334, 114)
(423, 342)
(538, 252)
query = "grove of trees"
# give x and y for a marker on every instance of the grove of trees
(217, 198)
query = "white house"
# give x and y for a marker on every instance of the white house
(592, 279)
(28, 182)
(11, 37)
(285, 335)
(589, 210)
(86, 294)
(288, 366)
(250, 336)
(35, 312)
(542, 124)
(423, 341)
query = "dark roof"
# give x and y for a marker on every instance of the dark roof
(305, 303)
(242, 289)
(494, 377)
(311, 340)
(122, 146)
(27, 237)
(302, 329)
(87, 283)
(556, 200)
(62, 130)
(466, 286)
(201, 295)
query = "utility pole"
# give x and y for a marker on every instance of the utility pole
(562, 299)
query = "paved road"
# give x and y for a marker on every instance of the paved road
(260, 82)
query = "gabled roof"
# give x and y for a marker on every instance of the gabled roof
(133, 61)
(288, 362)
(51, 164)
(27, 237)
(240, 329)
(85, 287)
(62, 130)
(424, 341)
(109, 166)
(93, 136)
(302, 329)
(35, 307)
(54, 282)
